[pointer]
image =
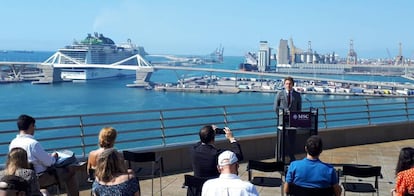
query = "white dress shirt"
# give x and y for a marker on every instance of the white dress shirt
(35, 152)
(230, 185)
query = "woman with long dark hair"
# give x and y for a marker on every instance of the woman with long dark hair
(404, 171)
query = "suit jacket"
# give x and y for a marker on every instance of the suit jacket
(281, 101)
(204, 158)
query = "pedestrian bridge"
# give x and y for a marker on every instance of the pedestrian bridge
(144, 69)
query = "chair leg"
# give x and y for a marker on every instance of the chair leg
(160, 183)
(57, 189)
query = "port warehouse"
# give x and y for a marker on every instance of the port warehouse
(170, 132)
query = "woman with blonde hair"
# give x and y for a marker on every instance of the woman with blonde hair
(17, 164)
(107, 137)
(112, 177)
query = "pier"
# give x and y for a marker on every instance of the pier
(51, 72)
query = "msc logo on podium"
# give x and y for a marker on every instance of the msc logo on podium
(300, 119)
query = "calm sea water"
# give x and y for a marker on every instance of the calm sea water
(112, 95)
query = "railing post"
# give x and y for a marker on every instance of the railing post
(368, 111)
(82, 135)
(407, 113)
(225, 116)
(162, 128)
(325, 117)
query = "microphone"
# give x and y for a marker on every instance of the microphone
(310, 102)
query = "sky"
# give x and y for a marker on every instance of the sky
(198, 27)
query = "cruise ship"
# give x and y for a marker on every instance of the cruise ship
(97, 49)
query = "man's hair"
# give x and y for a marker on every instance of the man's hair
(290, 79)
(107, 137)
(24, 121)
(314, 145)
(207, 134)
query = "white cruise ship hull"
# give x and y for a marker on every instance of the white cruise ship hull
(94, 73)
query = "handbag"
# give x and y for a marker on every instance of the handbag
(65, 158)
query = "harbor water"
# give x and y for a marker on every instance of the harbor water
(112, 95)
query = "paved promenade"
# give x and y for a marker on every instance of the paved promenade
(382, 154)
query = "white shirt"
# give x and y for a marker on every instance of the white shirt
(230, 185)
(35, 152)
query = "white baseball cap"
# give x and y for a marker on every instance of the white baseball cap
(227, 158)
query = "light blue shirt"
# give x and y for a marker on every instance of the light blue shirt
(35, 152)
(311, 174)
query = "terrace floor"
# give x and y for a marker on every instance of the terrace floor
(381, 154)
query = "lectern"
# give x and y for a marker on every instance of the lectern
(293, 121)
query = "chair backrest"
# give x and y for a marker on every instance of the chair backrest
(12, 185)
(194, 184)
(139, 156)
(91, 175)
(361, 171)
(194, 181)
(295, 190)
(266, 166)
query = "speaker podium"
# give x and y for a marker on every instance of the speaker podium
(289, 125)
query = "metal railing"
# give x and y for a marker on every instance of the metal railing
(150, 129)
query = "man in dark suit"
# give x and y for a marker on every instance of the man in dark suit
(204, 154)
(289, 99)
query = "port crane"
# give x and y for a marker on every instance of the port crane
(399, 60)
(352, 58)
(389, 57)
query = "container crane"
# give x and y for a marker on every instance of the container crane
(399, 60)
(389, 57)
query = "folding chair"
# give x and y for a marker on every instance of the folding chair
(361, 171)
(91, 175)
(266, 167)
(193, 184)
(142, 158)
(295, 190)
(50, 178)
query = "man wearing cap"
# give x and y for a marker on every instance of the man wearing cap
(204, 154)
(228, 183)
(311, 172)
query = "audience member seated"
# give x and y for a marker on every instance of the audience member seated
(18, 165)
(204, 154)
(11, 185)
(228, 183)
(404, 171)
(107, 137)
(112, 177)
(311, 172)
(40, 159)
